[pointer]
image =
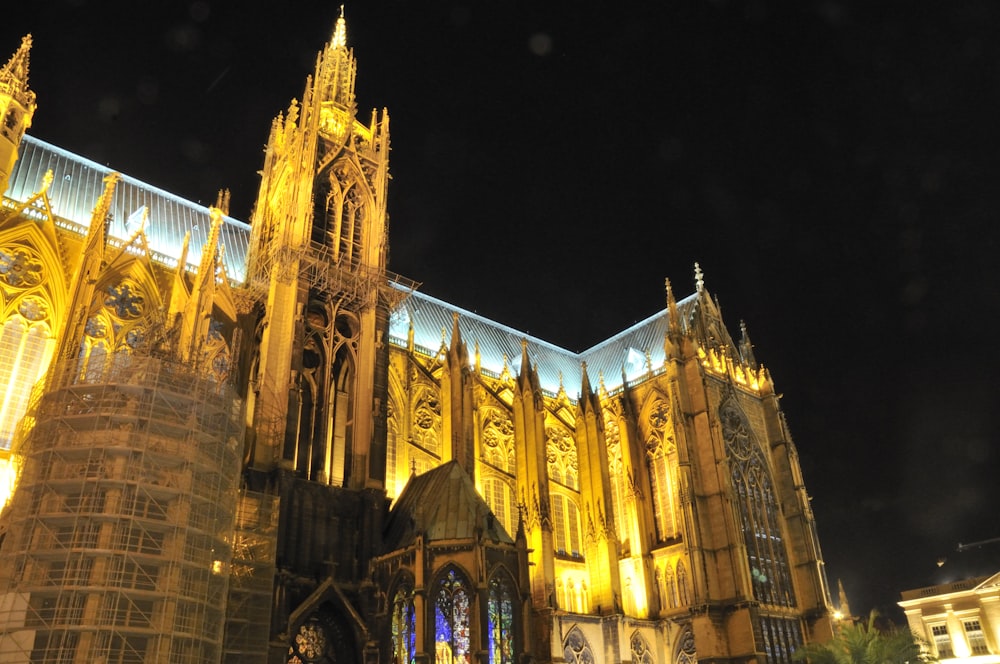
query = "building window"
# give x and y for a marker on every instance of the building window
(404, 626)
(22, 353)
(942, 642)
(758, 509)
(576, 650)
(500, 497)
(451, 620)
(661, 458)
(641, 653)
(976, 638)
(565, 525)
(500, 612)
(781, 638)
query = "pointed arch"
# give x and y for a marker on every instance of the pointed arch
(452, 597)
(498, 491)
(33, 296)
(684, 650)
(576, 649)
(24, 352)
(342, 382)
(501, 616)
(403, 622)
(641, 652)
(757, 508)
(657, 425)
(323, 637)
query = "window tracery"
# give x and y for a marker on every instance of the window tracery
(758, 510)
(498, 438)
(561, 457)
(426, 418)
(23, 344)
(685, 652)
(661, 457)
(451, 620)
(19, 267)
(500, 618)
(404, 626)
(576, 650)
(641, 653)
(500, 497)
(565, 525)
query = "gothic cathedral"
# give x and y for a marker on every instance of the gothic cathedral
(251, 442)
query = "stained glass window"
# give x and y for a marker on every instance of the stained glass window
(758, 509)
(404, 626)
(501, 621)
(451, 621)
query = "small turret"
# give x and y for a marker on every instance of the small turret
(17, 106)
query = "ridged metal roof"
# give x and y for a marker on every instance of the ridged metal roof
(631, 353)
(78, 183)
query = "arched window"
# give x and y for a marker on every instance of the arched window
(641, 653)
(500, 616)
(22, 353)
(451, 620)
(404, 626)
(576, 650)
(500, 498)
(566, 525)
(661, 457)
(684, 651)
(758, 510)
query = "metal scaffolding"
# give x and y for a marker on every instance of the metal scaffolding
(119, 547)
(248, 609)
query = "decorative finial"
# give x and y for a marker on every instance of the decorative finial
(699, 278)
(340, 32)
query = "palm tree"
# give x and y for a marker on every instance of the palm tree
(866, 644)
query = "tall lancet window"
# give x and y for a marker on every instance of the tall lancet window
(22, 352)
(758, 510)
(500, 618)
(451, 620)
(661, 456)
(404, 626)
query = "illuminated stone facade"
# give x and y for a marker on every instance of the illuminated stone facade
(447, 489)
(960, 620)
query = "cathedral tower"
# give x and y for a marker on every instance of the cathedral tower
(319, 250)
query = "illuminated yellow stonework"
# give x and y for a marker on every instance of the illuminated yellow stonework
(644, 502)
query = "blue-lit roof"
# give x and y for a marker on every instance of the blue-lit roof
(632, 352)
(78, 183)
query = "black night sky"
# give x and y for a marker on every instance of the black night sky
(831, 164)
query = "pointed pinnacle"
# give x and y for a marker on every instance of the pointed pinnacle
(340, 32)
